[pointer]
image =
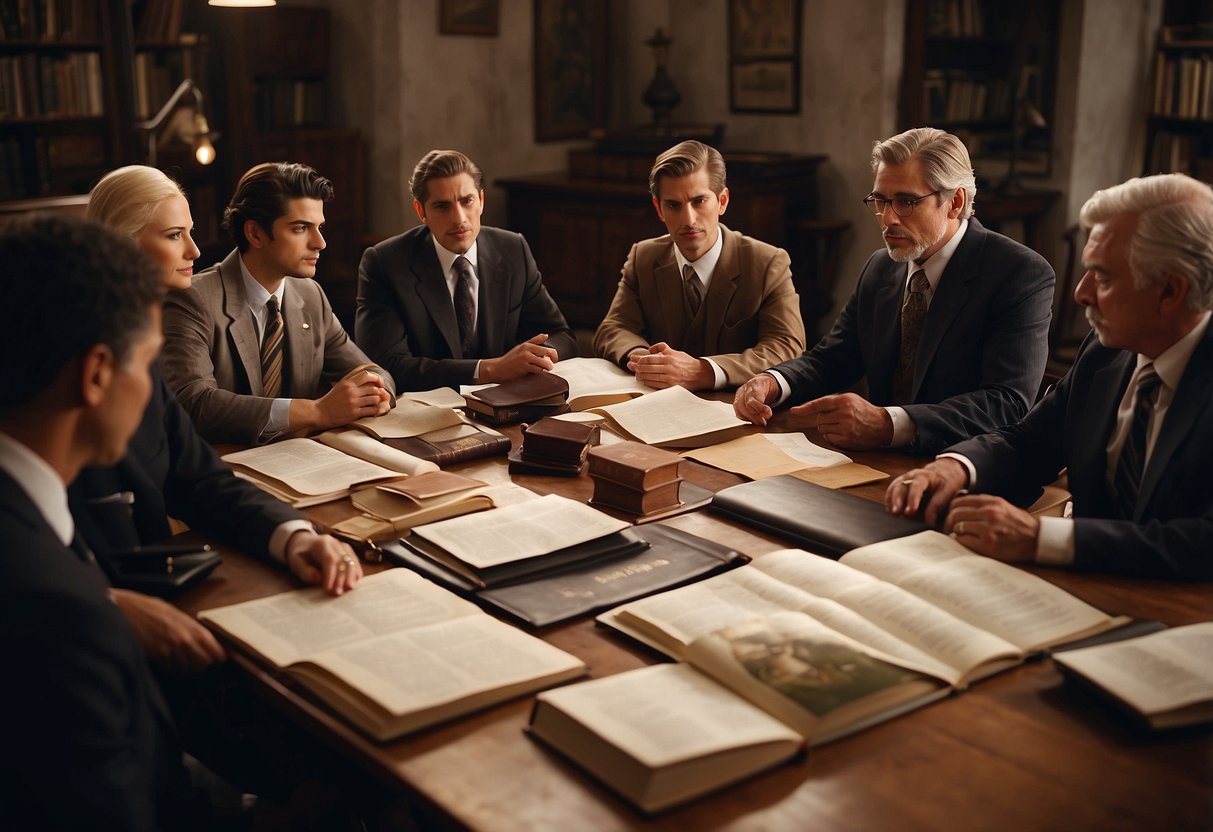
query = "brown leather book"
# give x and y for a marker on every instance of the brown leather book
(444, 452)
(535, 388)
(635, 500)
(557, 441)
(634, 464)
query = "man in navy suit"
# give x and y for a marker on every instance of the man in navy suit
(1132, 421)
(89, 742)
(949, 323)
(449, 302)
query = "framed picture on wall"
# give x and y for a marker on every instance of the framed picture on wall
(468, 17)
(764, 56)
(570, 68)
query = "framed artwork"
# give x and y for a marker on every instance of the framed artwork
(468, 17)
(764, 56)
(570, 68)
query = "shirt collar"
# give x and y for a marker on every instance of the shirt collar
(1173, 361)
(256, 293)
(446, 259)
(41, 483)
(706, 264)
(938, 261)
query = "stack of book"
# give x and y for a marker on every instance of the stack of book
(635, 478)
(553, 446)
(525, 399)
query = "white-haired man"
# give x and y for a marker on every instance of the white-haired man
(1131, 420)
(948, 322)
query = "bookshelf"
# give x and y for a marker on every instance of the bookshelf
(1179, 124)
(986, 71)
(272, 89)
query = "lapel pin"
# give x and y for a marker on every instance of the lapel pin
(307, 326)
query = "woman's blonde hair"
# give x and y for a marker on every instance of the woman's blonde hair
(125, 199)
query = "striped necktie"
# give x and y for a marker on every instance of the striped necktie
(692, 288)
(1126, 480)
(465, 306)
(913, 313)
(271, 351)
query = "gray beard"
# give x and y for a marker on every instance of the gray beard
(916, 252)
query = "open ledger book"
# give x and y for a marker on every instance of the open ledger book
(673, 418)
(828, 648)
(395, 655)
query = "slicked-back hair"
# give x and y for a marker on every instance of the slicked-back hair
(126, 198)
(442, 164)
(68, 285)
(685, 158)
(263, 192)
(1174, 232)
(945, 161)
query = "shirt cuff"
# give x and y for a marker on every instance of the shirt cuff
(1055, 541)
(904, 430)
(476, 373)
(785, 389)
(283, 533)
(280, 419)
(718, 376)
(967, 463)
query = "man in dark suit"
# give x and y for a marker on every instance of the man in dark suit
(949, 323)
(88, 743)
(1132, 421)
(252, 349)
(449, 302)
(702, 307)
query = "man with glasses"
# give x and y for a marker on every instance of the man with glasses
(949, 323)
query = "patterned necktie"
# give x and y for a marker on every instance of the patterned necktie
(271, 351)
(465, 305)
(692, 288)
(913, 313)
(1126, 480)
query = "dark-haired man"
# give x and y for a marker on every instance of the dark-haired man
(252, 348)
(450, 302)
(89, 742)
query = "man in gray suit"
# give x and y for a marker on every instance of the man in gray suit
(252, 348)
(449, 302)
(949, 322)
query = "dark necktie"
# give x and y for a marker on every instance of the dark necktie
(465, 306)
(913, 313)
(271, 350)
(1127, 478)
(692, 288)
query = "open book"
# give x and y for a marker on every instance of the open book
(762, 455)
(390, 509)
(673, 418)
(595, 382)
(395, 655)
(1164, 679)
(433, 433)
(306, 472)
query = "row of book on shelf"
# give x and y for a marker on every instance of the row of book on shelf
(60, 163)
(40, 85)
(1182, 153)
(1183, 85)
(958, 95)
(875, 616)
(49, 21)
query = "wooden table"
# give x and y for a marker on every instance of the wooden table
(1021, 750)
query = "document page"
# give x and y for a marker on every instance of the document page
(356, 443)
(409, 418)
(308, 467)
(594, 382)
(520, 531)
(671, 414)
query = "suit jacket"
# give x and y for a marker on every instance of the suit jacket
(212, 356)
(1171, 531)
(171, 471)
(983, 347)
(88, 743)
(749, 318)
(406, 319)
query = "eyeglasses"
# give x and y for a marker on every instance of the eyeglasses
(903, 206)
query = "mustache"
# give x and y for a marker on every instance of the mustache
(1094, 319)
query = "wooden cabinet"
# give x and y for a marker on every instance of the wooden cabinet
(581, 228)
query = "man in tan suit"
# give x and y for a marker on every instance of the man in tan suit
(702, 307)
(252, 349)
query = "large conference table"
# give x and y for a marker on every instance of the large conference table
(1023, 750)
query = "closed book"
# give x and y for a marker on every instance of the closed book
(558, 440)
(522, 464)
(672, 558)
(635, 500)
(460, 443)
(822, 520)
(634, 464)
(534, 388)
(513, 414)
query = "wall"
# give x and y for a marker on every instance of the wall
(411, 90)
